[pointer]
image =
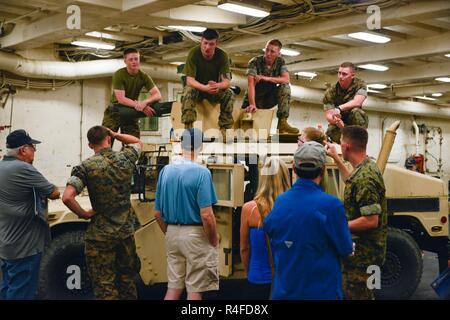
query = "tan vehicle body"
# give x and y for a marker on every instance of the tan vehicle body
(417, 204)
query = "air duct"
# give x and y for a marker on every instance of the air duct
(105, 68)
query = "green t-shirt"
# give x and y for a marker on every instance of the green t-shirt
(207, 70)
(132, 85)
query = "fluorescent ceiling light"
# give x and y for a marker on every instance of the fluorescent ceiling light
(424, 98)
(115, 28)
(188, 28)
(370, 37)
(103, 35)
(306, 74)
(437, 94)
(97, 34)
(177, 63)
(380, 86)
(289, 52)
(93, 44)
(448, 55)
(375, 67)
(374, 91)
(249, 8)
(443, 79)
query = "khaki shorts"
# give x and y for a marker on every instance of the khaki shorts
(192, 262)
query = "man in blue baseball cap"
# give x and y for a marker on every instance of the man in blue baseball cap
(19, 138)
(309, 232)
(183, 208)
(23, 229)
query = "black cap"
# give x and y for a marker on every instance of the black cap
(19, 138)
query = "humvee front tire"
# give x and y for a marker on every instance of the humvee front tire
(63, 272)
(402, 269)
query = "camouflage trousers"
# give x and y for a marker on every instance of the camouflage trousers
(355, 116)
(267, 96)
(354, 283)
(192, 96)
(113, 266)
(113, 121)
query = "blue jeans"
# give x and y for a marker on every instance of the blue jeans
(20, 278)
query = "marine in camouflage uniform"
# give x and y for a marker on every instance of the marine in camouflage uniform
(336, 96)
(268, 95)
(109, 247)
(364, 195)
(193, 96)
(203, 70)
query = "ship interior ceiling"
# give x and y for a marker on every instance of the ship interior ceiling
(417, 53)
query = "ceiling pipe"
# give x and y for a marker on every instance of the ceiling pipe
(416, 134)
(105, 68)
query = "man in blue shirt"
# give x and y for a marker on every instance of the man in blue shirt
(309, 233)
(183, 208)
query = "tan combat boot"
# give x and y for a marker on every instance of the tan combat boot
(284, 127)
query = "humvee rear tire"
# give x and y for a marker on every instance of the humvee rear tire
(62, 261)
(402, 269)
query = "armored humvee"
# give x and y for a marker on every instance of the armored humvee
(418, 208)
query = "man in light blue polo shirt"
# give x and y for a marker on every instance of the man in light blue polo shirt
(183, 208)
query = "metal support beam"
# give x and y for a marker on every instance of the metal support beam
(401, 74)
(53, 28)
(331, 27)
(397, 50)
(421, 90)
(199, 15)
(35, 34)
(395, 75)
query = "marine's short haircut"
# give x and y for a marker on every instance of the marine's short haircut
(348, 65)
(210, 34)
(97, 134)
(129, 50)
(357, 136)
(275, 42)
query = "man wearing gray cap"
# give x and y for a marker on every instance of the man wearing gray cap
(309, 233)
(23, 229)
(183, 208)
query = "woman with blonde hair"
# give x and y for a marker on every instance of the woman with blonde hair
(274, 180)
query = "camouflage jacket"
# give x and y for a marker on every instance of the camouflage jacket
(256, 66)
(107, 175)
(335, 96)
(364, 195)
